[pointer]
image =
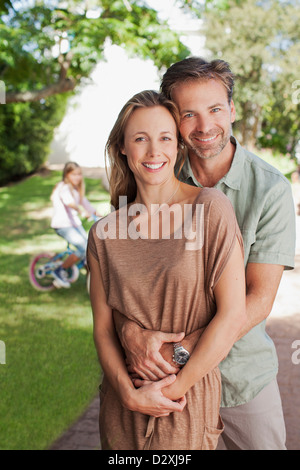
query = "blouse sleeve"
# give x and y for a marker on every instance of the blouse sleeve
(222, 233)
(91, 245)
(88, 206)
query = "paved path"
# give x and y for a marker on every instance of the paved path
(283, 326)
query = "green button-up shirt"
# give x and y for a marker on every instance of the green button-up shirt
(264, 207)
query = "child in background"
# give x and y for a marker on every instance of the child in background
(69, 202)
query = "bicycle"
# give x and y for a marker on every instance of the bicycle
(43, 264)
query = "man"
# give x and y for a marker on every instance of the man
(251, 406)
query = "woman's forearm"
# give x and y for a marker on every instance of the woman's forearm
(212, 347)
(113, 365)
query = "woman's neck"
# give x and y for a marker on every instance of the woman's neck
(158, 194)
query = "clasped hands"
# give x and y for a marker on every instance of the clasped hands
(151, 368)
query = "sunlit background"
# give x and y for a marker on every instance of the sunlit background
(92, 112)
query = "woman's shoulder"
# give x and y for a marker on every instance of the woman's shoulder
(106, 227)
(217, 204)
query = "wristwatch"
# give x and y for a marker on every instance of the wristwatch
(181, 355)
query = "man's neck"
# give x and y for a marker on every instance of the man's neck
(209, 171)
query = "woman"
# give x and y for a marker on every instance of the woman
(145, 265)
(69, 202)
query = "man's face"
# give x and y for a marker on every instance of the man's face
(206, 116)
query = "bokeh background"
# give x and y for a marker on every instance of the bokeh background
(66, 69)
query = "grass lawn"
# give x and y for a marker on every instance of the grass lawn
(51, 371)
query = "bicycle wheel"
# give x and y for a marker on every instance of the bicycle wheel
(40, 272)
(72, 273)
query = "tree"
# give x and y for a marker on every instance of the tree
(49, 47)
(261, 42)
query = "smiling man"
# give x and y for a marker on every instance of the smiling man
(263, 203)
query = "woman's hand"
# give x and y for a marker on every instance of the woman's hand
(150, 400)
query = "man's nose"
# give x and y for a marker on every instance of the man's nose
(203, 124)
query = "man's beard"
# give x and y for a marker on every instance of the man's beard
(212, 150)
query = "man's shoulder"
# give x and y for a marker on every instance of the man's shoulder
(260, 166)
(264, 176)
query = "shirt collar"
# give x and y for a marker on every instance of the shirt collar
(232, 179)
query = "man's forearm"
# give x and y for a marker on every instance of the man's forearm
(262, 282)
(258, 308)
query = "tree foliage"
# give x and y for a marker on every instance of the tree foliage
(261, 41)
(48, 48)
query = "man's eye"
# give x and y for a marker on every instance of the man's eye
(216, 110)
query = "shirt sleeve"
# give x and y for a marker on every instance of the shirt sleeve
(88, 206)
(91, 245)
(275, 237)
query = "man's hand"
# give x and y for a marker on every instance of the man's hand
(149, 399)
(142, 348)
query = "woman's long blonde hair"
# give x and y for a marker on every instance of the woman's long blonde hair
(121, 178)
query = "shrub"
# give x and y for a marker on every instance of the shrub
(26, 133)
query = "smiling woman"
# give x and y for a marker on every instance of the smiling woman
(149, 147)
(152, 153)
(159, 282)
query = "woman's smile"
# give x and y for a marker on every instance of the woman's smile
(153, 166)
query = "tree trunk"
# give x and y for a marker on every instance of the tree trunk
(23, 97)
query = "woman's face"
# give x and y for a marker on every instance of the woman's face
(75, 177)
(151, 145)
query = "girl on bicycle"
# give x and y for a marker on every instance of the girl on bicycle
(69, 202)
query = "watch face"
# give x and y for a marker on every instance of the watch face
(181, 357)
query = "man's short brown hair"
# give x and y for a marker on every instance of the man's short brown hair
(196, 68)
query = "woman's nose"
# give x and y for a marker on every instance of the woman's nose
(154, 149)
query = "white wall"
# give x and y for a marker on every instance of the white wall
(82, 135)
